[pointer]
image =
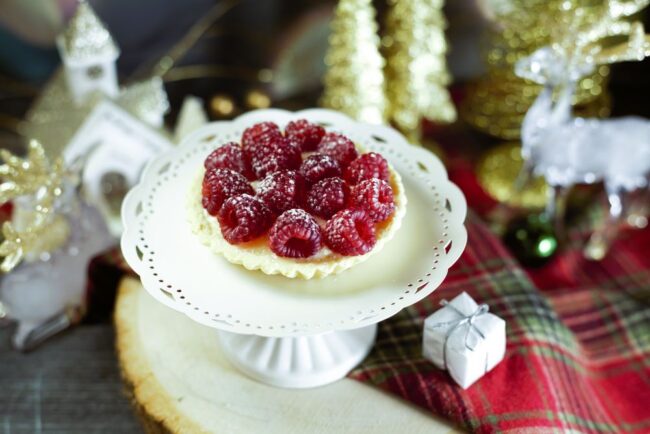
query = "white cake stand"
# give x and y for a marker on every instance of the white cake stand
(292, 332)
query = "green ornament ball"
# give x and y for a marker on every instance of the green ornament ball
(531, 239)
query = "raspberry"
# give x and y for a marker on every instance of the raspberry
(305, 133)
(367, 166)
(259, 134)
(327, 197)
(229, 156)
(282, 190)
(338, 147)
(319, 166)
(350, 232)
(295, 234)
(374, 196)
(244, 218)
(221, 184)
(278, 154)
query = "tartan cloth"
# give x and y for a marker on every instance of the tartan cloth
(578, 352)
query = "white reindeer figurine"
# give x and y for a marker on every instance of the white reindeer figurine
(568, 150)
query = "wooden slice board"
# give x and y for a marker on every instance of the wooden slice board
(181, 382)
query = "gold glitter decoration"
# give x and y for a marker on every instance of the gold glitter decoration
(354, 81)
(416, 67)
(497, 103)
(145, 97)
(54, 117)
(40, 181)
(497, 172)
(589, 43)
(86, 37)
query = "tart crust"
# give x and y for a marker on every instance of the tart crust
(256, 255)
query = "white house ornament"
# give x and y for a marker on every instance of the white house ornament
(568, 150)
(116, 146)
(89, 54)
(146, 100)
(87, 78)
(84, 107)
(464, 339)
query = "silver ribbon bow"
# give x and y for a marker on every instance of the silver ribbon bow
(459, 322)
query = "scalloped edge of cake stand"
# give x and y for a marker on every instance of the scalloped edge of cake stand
(312, 354)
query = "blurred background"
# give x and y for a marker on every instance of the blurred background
(236, 54)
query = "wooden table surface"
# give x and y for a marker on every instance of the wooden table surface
(69, 385)
(182, 382)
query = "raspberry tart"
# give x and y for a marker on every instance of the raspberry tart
(300, 202)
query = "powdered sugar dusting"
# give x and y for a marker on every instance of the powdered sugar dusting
(243, 218)
(221, 184)
(367, 166)
(350, 232)
(229, 156)
(295, 234)
(319, 166)
(306, 134)
(282, 190)
(327, 197)
(376, 197)
(278, 154)
(259, 133)
(339, 147)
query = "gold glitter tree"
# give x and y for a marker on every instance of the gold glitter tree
(416, 69)
(354, 82)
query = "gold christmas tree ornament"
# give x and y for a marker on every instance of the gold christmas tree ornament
(354, 81)
(35, 183)
(416, 67)
(497, 173)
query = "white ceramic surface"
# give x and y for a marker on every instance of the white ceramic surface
(299, 361)
(180, 272)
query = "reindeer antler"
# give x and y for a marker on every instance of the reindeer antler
(615, 23)
(636, 48)
(32, 176)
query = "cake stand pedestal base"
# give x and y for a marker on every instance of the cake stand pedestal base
(298, 362)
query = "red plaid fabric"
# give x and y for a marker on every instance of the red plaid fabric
(578, 353)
